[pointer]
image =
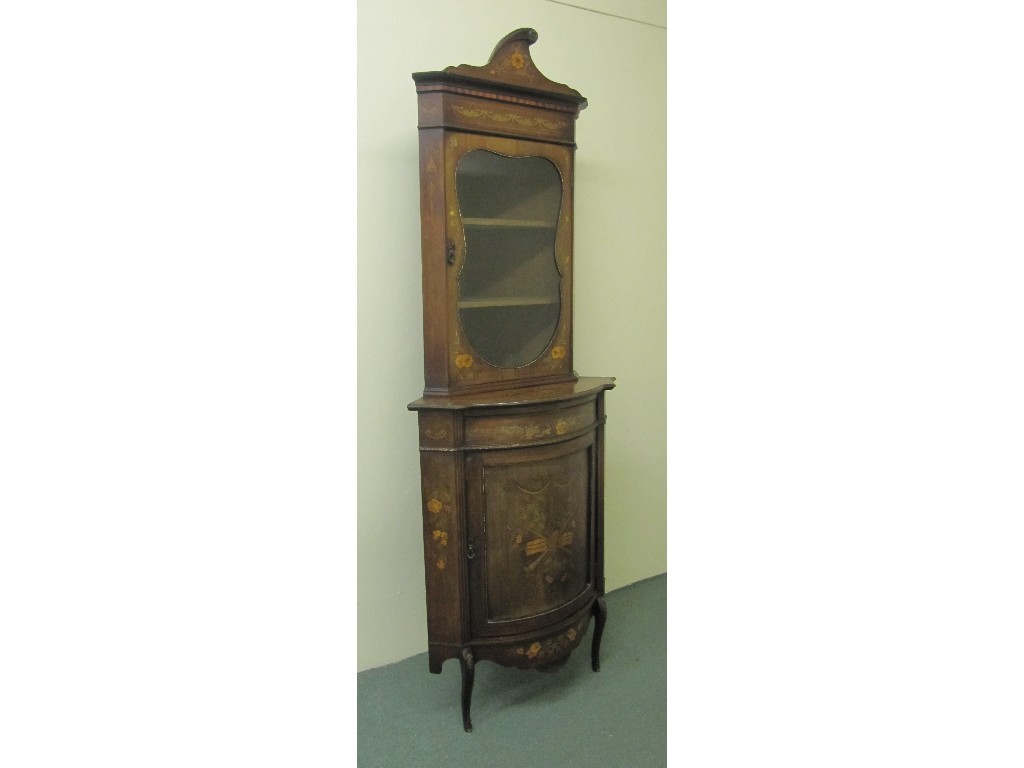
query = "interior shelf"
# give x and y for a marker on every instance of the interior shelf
(508, 301)
(508, 223)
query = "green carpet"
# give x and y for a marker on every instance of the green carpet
(569, 717)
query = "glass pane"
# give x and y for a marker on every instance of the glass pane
(509, 298)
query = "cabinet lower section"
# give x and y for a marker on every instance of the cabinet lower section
(513, 521)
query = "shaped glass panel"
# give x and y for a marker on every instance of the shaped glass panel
(509, 298)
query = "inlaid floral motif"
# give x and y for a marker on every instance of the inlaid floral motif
(439, 506)
(531, 431)
(551, 648)
(526, 431)
(435, 428)
(505, 117)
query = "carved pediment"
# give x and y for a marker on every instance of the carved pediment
(510, 66)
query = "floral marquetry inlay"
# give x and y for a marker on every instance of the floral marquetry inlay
(551, 648)
(439, 500)
(508, 116)
(439, 506)
(435, 426)
(531, 430)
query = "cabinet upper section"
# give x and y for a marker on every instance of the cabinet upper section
(508, 96)
(496, 209)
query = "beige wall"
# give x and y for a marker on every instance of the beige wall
(620, 272)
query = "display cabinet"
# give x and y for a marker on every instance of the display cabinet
(511, 438)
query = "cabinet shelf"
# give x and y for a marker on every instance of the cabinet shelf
(508, 223)
(508, 301)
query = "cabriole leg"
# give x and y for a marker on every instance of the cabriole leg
(466, 663)
(600, 615)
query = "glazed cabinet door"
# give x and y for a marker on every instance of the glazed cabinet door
(498, 279)
(531, 523)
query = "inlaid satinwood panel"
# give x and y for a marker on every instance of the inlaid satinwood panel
(534, 535)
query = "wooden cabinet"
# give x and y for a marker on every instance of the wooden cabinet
(511, 439)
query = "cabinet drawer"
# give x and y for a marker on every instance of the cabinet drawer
(532, 428)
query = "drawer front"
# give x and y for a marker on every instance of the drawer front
(530, 428)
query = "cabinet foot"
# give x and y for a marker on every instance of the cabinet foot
(466, 663)
(600, 615)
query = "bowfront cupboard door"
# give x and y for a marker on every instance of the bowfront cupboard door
(532, 523)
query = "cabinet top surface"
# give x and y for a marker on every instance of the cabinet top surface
(520, 395)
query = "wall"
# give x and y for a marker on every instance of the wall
(620, 272)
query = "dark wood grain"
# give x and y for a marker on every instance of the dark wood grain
(600, 617)
(468, 665)
(511, 458)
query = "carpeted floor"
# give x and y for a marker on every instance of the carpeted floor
(573, 716)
